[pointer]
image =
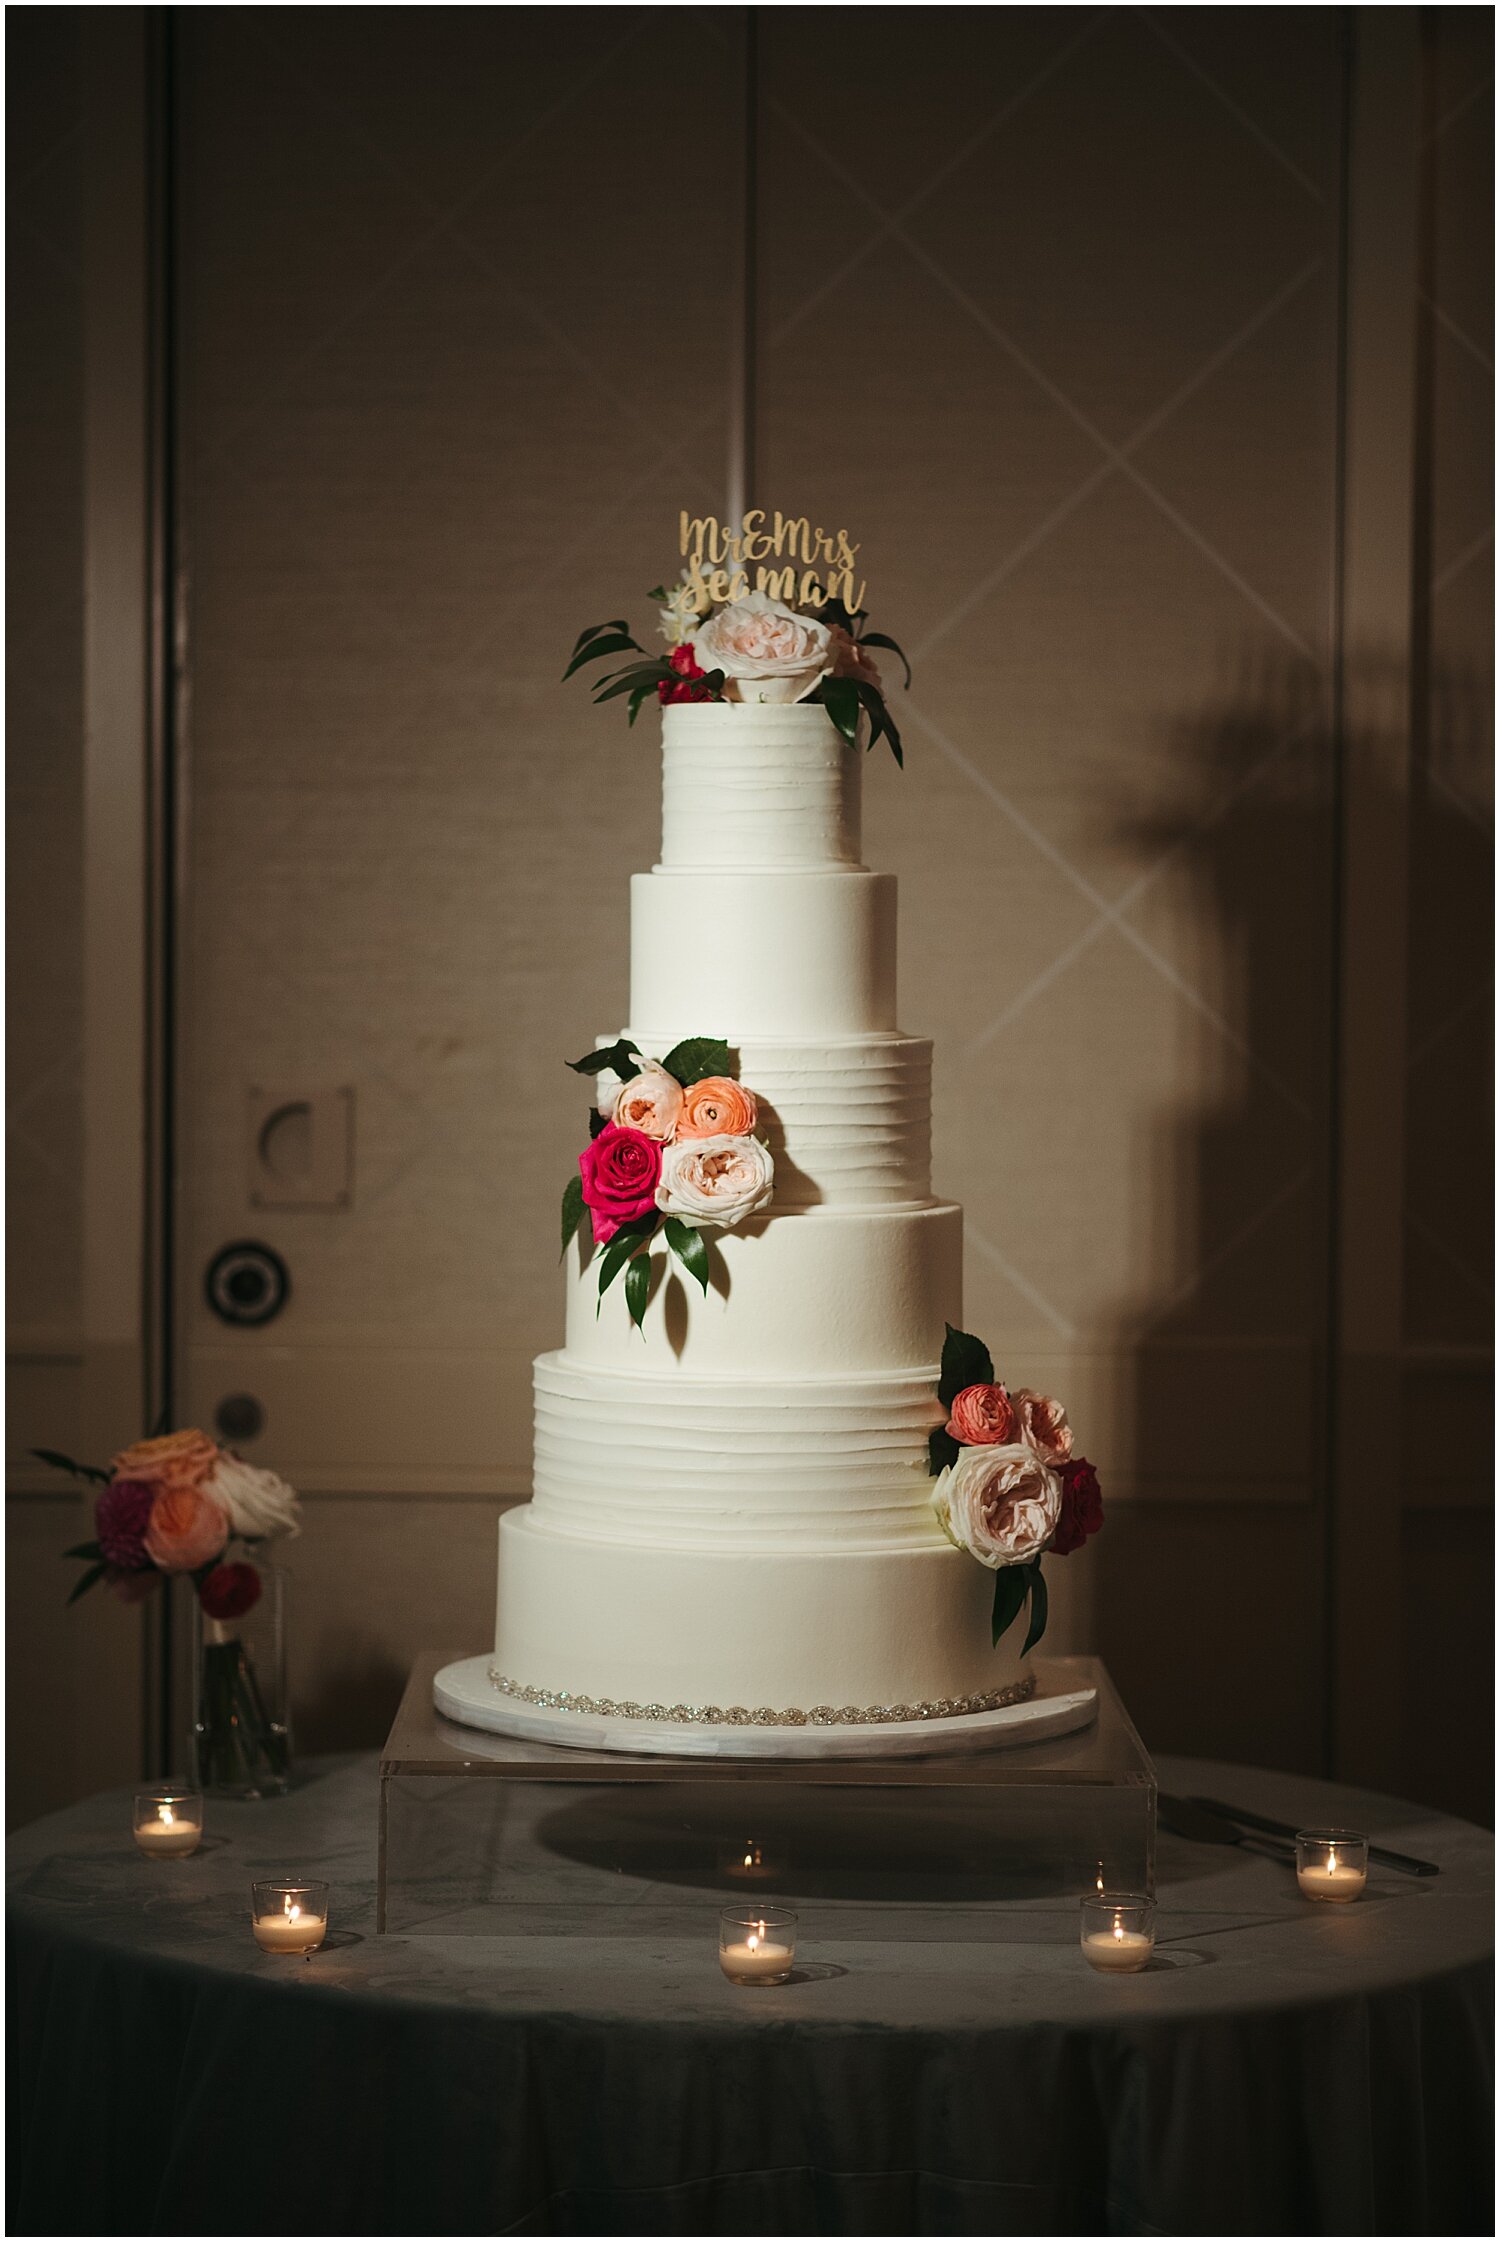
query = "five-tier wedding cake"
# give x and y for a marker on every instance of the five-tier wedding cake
(732, 1513)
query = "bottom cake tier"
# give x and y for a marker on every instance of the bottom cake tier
(703, 1634)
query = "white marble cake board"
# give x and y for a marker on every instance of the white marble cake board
(465, 1693)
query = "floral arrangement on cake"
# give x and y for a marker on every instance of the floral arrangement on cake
(796, 634)
(672, 1149)
(1010, 1489)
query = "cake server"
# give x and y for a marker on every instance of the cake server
(1191, 1818)
(1380, 1854)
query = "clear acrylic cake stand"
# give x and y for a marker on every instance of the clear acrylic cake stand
(486, 1832)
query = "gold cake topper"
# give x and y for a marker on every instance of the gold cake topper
(789, 559)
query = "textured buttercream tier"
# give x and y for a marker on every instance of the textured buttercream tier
(793, 955)
(735, 1463)
(815, 1294)
(849, 1123)
(735, 1626)
(757, 788)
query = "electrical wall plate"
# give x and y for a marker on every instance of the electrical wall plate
(300, 1147)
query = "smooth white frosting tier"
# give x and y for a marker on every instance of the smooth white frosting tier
(735, 1463)
(780, 955)
(754, 787)
(731, 1625)
(849, 1122)
(822, 1293)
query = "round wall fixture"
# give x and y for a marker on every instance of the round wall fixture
(239, 1416)
(247, 1283)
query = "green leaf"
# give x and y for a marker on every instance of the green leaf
(572, 1210)
(1011, 1583)
(966, 1362)
(878, 638)
(689, 1246)
(942, 1450)
(66, 1463)
(611, 642)
(882, 723)
(597, 630)
(84, 1549)
(697, 1058)
(85, 1582)
(620, 1058)
(637, 1286)
(840, 697)
(622, 1245)
(596, 1122)
(641, 695)
(1038, 1627)
(658, 592)
(628, 683)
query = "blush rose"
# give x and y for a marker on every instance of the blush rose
(1043, 1426)
(651, 1102)
(715, 1180)
(981, 1417)
(1001, 1505)
(767, 651)
(620, 1171)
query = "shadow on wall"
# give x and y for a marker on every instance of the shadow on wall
(358, 1688)
(1209, 1597)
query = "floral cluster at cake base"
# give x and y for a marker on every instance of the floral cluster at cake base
(672, 1150)
(179, 1505)
(1010, 1489)
(766, 611)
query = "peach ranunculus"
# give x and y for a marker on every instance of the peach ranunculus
(651, 1102)
(188, 1529)
(1043, 1426)
(715, 1180)
(981, 1417)
(767, 651)
(716, 1107)
(177, 1459)
(1001, 1505)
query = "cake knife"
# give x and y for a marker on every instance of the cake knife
(1193, 1819)
(1380, 1854)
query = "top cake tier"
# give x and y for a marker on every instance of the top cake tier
(753, 788)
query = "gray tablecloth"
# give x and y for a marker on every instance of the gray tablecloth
(1282, 2068)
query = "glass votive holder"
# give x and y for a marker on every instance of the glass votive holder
(757, 1945)
(289, 1917)
(168, 1821)
(1332, 1863)
(747, 1861)
(1117, 1930)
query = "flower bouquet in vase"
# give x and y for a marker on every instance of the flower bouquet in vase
(180, 1504)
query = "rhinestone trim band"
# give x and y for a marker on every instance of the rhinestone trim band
(763, 1716)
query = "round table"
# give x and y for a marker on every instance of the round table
(1283, 2067)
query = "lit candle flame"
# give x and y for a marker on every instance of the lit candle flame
(164, 1816)
(1119, 1928)
(1332, 1860)
(292, 1910)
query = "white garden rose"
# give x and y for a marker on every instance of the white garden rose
(715, 1180)
(767, 651)
(258, 1503)
(1000, 1504)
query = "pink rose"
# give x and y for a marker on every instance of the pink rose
(1044, 1426)
(981, 1416)
(650, 1102)
(187, 1529)
(767, 652)
(999, 1504)
(1082, 1507)
(620, 1170)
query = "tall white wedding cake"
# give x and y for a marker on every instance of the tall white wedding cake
(733, 1516)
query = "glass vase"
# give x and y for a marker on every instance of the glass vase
(241, 1740)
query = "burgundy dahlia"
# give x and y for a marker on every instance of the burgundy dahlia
(1082, 1507)
(230, 1591)
(121, 1516)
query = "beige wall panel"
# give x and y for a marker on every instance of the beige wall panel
(73, 1716)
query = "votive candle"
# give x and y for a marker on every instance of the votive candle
(168, 1821)
(1117, 1931)
(289, 1918)
(1332, 1864)
(757, 1947)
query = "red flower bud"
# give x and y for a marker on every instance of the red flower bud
(230, 1591)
